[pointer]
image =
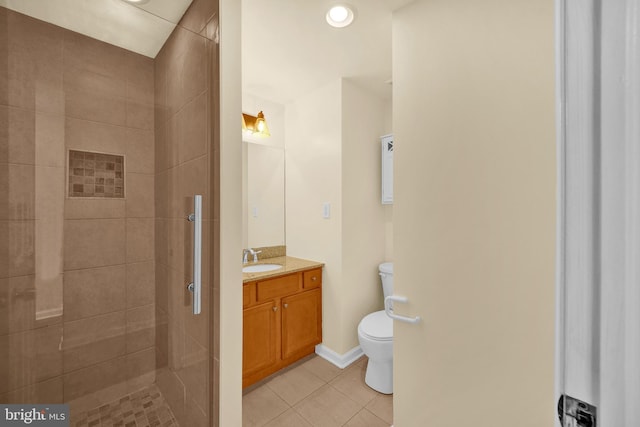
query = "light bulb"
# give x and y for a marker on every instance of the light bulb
(340, 15)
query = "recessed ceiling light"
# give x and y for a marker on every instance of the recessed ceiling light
(340, 15)
(136, 1)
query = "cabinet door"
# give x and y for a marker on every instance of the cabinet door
(259, 337)
(301, 322)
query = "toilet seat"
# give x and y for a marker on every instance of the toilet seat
(377, 326)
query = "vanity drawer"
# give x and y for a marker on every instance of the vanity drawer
(248, 294)
(312, 278)
(280, 286)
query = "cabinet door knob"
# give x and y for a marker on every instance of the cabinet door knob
(275, 308)
(314, 278)
(286, 305)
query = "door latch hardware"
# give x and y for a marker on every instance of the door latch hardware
(576, 413)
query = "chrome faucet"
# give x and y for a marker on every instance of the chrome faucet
(247, 252)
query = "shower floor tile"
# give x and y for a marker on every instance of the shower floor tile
(144, 408)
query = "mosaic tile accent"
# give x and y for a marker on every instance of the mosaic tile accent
(144, 408)
(96, 175)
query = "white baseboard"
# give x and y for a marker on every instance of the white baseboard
(340, 360)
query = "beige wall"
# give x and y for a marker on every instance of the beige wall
(337, 160)
(363, 215)
(474, 212)
(314, 177)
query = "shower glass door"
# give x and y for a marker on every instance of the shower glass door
(101, 153)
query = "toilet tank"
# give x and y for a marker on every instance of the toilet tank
(386, 274)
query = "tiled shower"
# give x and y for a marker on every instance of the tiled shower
(101, 152)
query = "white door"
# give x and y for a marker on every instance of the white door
(599, 267)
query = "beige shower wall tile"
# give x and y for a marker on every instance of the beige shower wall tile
(49, 201)
(94, 56)
(198, 14)
(29, 357)
(195, 372)
(141, 322)
(35, 75)
(140, 363)
(140, 191)
(195, 416)
(79, 208)
(92, 136)
(17, 191)
(50, 140)
(193, 70)
(140, 239)
(17, 135)
(193, 129)
(93, 340)
(198, 327)
(141, 287)
(94, 291)
(97, 377)
(161, 288)
(93, 94)
(18, 313)
(141, 73)
(178, 246)
(100, 106)
(194, 178)
(140, 116)
(49, 391)
(173, 391)
(17, 248)
(140, 151)
(94, 243)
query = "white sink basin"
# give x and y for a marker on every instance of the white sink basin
(260, 268)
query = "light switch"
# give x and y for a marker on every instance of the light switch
(326, 210)
(254, 212)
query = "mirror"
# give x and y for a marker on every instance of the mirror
(263, 195)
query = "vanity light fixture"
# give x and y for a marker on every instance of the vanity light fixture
(255, 125)
(340, 15)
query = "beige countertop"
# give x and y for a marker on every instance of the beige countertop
(289, 265)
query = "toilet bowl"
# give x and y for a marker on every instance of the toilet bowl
(375, 334)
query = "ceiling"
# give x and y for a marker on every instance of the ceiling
(141, 28)
(288, 49)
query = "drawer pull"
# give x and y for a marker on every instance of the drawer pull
(275, 308)
(286, 305)
(314, 278)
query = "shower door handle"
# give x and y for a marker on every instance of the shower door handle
(195, 287)
(393, 315)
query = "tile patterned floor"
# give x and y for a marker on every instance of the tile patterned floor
(144, 408)
(317, 394)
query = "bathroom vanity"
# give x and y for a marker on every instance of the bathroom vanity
(282, 315)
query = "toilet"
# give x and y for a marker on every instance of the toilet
(375, 333)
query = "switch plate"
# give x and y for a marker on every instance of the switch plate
(326, 210)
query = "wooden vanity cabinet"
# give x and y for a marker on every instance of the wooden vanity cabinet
(282, 322)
